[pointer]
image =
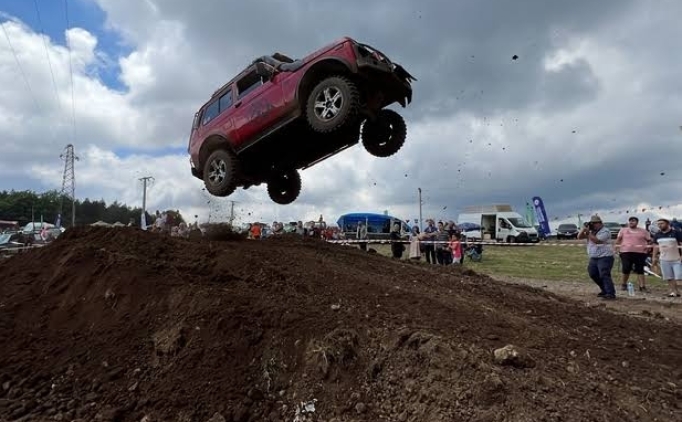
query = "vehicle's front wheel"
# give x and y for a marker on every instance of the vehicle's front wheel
(221, 172)
(385, 135)
(332, 104)
(285, 187)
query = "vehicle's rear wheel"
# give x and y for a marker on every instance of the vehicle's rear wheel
(221, 172)
(285, 187)
(385, 135)
(332, 104)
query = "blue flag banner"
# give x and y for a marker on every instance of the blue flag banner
(541, 215)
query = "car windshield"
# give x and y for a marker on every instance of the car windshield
(568, 227)
(612, 225)
(4, 238)
(520, 223)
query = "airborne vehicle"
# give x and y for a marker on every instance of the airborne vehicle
(281, 115)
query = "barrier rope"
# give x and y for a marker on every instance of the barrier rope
(468, 242)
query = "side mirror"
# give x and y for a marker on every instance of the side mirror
(264, 70)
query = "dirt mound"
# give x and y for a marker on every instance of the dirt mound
(123, 325)
(223, 231)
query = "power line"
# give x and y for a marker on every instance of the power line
(47, 54)
(73, 97)
(21, 68)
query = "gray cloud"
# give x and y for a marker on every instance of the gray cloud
(483, 128)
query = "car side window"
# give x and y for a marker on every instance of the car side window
(225, 101)
(210, 112)
(217, 107)
(248, 83)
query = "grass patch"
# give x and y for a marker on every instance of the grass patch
(542, 262)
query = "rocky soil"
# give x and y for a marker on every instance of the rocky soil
(123, 325)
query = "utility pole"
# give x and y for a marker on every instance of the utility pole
(420, 209)
(145, 181)
(69, 181)
(232, 212)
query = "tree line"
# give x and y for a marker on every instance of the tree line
(26, 206)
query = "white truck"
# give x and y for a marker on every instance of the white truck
(498, 223)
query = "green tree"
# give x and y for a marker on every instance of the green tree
(22, 206)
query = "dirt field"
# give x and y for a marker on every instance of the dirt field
(560, 267)
(122, 325)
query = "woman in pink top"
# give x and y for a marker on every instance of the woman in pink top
(632, 244)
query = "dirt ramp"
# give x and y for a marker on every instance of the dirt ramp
(123, 325)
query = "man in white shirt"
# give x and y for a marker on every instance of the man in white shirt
(600, 253)
(668, 243)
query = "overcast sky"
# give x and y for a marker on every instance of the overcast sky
(588, 117)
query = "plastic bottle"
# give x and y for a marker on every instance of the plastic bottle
(631, 289)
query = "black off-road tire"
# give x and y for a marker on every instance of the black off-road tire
(284, 187)
(221, 173)
(348, 104)
(385, 135)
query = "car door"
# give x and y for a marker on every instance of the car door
(259, 106)
(504, 229)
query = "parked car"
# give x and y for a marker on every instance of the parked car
(567, 231)
(613, 227)
(11, 240)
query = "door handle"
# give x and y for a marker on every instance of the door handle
(237, 104)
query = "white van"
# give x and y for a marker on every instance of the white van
(499, 223)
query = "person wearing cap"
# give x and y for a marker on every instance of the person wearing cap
(632, 245)
(600, 255)
(667, 247)
(429, 236)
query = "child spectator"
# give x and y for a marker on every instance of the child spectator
(455, 247)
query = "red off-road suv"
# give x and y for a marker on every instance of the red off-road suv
(280, 115)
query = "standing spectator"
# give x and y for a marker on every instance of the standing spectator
(256, 231)
(456, 248)
(631, 244)
(600, 252)
(415, 251)
(361, 235)
(668, 243)
(397, 247)
(300, 229)
(429, 236)
(443, 253)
